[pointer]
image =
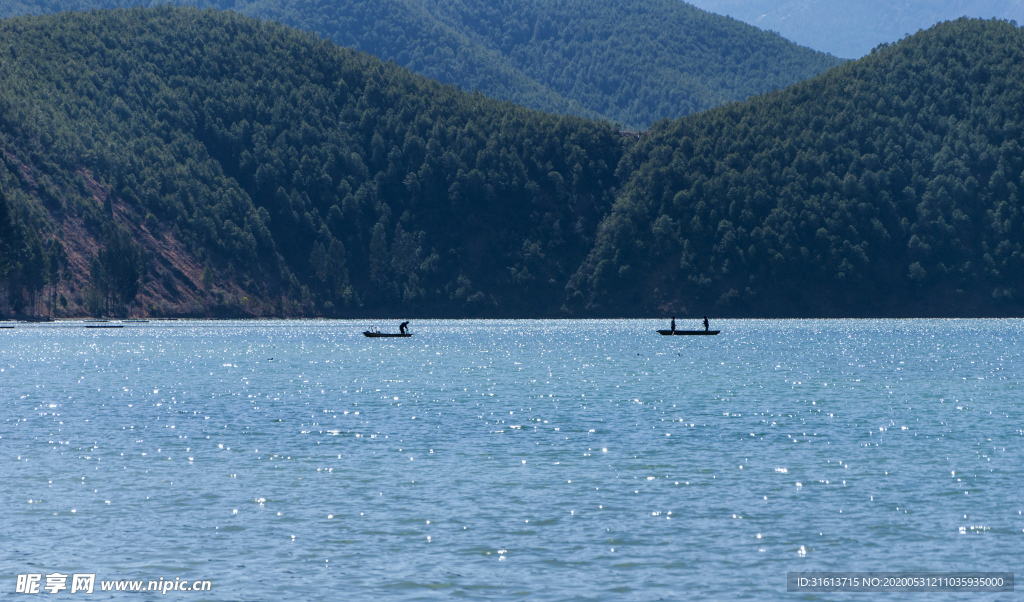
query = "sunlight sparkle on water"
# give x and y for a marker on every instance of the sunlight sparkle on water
(418, 465)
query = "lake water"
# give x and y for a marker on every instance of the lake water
(541, 460)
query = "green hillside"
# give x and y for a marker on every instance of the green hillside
(887, 186)
(632, 63)
(260, 170)
(194, 162)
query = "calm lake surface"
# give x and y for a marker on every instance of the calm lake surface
(541, 460)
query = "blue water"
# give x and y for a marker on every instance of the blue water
(541, 460)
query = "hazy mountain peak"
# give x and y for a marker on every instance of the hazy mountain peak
(851, 29)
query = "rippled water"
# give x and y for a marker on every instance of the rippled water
(545, 460)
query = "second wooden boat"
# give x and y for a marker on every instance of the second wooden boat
(690, 332)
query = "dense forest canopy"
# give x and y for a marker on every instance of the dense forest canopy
(185, 161)
(631, 63)
(268, 171)
(887, 186)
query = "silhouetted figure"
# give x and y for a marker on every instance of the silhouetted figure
(705, 323)
(673, 323)
(403, 325)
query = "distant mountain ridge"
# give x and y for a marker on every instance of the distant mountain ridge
(852, 30)
(632, 63)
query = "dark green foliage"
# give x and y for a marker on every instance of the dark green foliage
(6, 235)
(57, 264)
(96, 293)
(207, 278)
(10, 244)
(124, 264)
(631, 62)
(321, 181)
(261, 149)
(888, 186)
(23, 260)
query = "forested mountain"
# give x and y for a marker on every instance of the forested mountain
(182, 161)
(888, 186)
(859, 25)
(632, 63)
(260, 170)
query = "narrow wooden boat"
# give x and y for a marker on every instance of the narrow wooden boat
(104, 325)
(376, 335)
(690, 332)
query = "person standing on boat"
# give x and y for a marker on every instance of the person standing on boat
(402, 326)
(673, 324)
(705, 323)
